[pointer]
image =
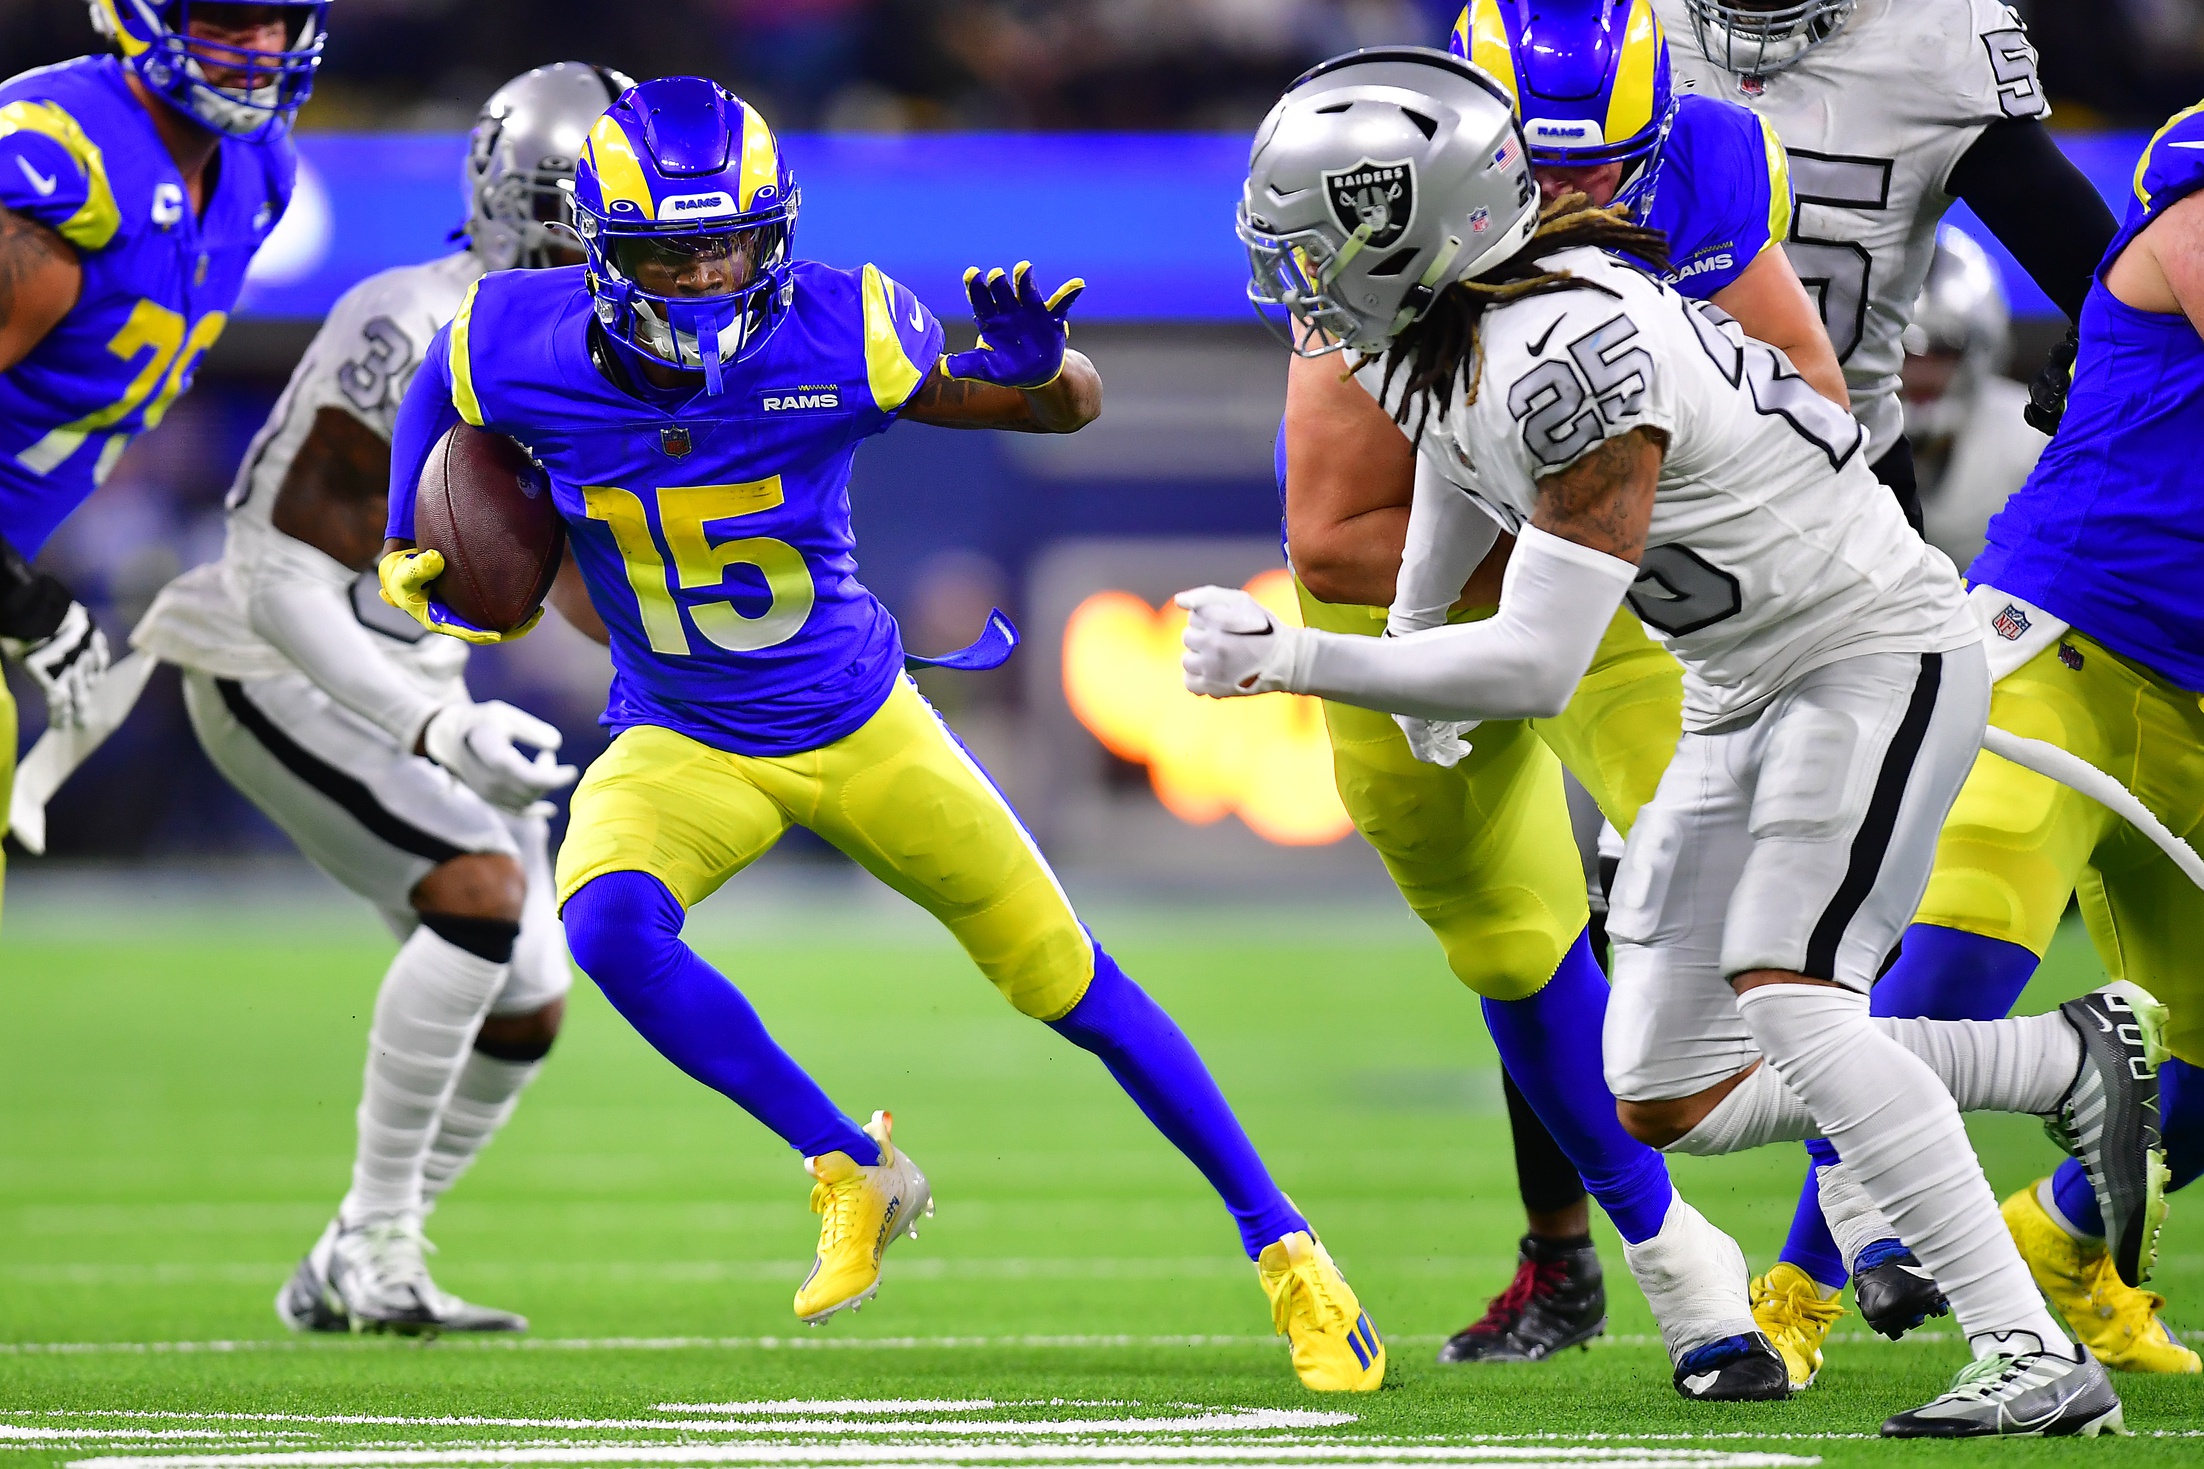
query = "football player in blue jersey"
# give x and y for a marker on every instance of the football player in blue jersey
(2088, 594)
(695, 394)
(134, 190)
(1478, 839)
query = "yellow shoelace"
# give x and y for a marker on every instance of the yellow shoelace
(1323, 1306)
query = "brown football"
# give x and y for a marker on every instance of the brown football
(487, 506)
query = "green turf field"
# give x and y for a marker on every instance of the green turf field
(176, 1088)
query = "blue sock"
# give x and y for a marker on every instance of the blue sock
(1941, 974)
(2180, 1122)
(1810, 1246)
(624, 929)
(1159, 1069)
(1950, 974)
(1550, 1044)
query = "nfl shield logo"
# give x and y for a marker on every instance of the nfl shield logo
(675, 441)
(1379, 195)
(2010, 623)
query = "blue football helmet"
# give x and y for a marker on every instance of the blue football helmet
(1590, 77)
(156, 44)
(687, 210)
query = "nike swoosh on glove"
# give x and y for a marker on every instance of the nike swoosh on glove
(1234, 646)
(1022, 337)
(1437, 741)
(67, 665)
(405, 576)
(475, 743)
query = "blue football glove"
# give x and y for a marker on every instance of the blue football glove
(1022, 337)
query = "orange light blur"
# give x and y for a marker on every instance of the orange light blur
(1265, 760)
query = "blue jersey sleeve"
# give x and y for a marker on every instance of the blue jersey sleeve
(1726, 196)
(52, 172)
(424, 416)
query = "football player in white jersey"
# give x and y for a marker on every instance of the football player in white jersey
(1962, 413)
(1835, 682)
(1890, 110)
(354, 732)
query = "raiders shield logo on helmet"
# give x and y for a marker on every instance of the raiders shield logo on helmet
(1380, 195)
(675, 441)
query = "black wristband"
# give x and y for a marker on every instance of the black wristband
(32, 603)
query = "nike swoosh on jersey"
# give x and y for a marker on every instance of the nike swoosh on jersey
(918, 320)
(39, 181)
(2184, 143)
(1540, 345)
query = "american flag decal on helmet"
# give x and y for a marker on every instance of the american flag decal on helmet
(1506, 153)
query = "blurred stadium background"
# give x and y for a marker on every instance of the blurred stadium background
(1098, 137)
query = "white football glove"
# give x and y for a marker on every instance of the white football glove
(67, 665)
(1234, 646)
(1436, 741)
(475, 743)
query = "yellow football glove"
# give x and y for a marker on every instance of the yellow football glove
(405, 577)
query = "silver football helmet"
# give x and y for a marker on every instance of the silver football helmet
(520, 162)
(1960, 314)
(1380, 178)
(1754, 39)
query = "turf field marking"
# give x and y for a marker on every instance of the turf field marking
(845, 1405)
(1250, 1455)
(1237, 1420)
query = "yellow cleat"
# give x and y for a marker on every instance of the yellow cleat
(2117, 1322)
(1335, 1348)
(1788, 1305)
(862, 1209)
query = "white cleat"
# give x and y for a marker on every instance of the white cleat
(1695, 1279)
(378, 1276)
(305, 1302)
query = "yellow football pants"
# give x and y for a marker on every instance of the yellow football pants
(2017, 844)
(1483, 852)
(899, 796)
(7, 779)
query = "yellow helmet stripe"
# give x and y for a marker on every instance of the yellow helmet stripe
(1630, 105)
(761, 157)
(619, 173)
(98, 217)
(1488, 44)
(1779, 185)
(131, 45)
(462, 363)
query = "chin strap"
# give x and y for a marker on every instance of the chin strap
(706, 326)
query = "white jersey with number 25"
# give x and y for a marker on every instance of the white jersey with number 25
(1772, 550)
(1873, 119)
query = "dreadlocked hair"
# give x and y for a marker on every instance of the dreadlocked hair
(1444, 346)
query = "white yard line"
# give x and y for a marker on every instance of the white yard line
(1242, 1455)
(846, 1405)
(812, 1341)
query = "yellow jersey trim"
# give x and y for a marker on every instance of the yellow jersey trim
(1488, 45)
(462, 365)
(97, 219)
(1779, 185)
(2142, 196)
(1630, 105)
(888, 368)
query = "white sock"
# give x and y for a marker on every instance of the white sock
(1854, 1221)
(1898, 1130)
(433, 999)
(2022, 1064)
(485, 1095)
(1759, 1110)
(1695, 1280)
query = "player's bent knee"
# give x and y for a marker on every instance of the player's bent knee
(1659, 1124)
(1046, 977)
(619, 923)
(491, 939)
(521, 1038)
(473, 885)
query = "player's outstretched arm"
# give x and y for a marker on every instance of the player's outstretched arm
(40, 280)
(1770, 304)
(1568, 572)
(1022, 374)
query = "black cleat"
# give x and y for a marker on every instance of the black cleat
(2108, 1119)
(1557, 1300)
(1893, 1292)
(1736, 1369)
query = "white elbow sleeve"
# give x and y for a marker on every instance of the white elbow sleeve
(1523, 663)
(300, 600)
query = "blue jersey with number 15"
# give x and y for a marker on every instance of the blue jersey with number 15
(713, 531)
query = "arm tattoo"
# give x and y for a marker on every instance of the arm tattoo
(26, 248)
(1604, 500)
